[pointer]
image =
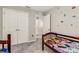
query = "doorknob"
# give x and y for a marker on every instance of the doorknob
(17, 29)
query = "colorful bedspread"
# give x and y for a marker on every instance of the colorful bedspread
(66, 46)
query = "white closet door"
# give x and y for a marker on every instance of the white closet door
(22, 27)
(46, 26)
(15, 23)
(10, 24)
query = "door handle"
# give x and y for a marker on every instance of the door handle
(17, 29)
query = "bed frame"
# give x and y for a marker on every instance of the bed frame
(8, 42)
(57, 34)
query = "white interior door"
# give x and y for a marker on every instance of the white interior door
(39, 27)
(10, 24)
(22, 27)
(46, 26)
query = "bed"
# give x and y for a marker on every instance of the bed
(60, 43)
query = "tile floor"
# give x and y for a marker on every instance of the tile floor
(32, 47)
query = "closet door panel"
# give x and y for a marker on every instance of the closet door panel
(10, 25)
(22, 27)
(15, 23)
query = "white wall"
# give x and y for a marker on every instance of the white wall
(65, 20)
(1, 26)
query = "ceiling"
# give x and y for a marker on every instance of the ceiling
(41, 8)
